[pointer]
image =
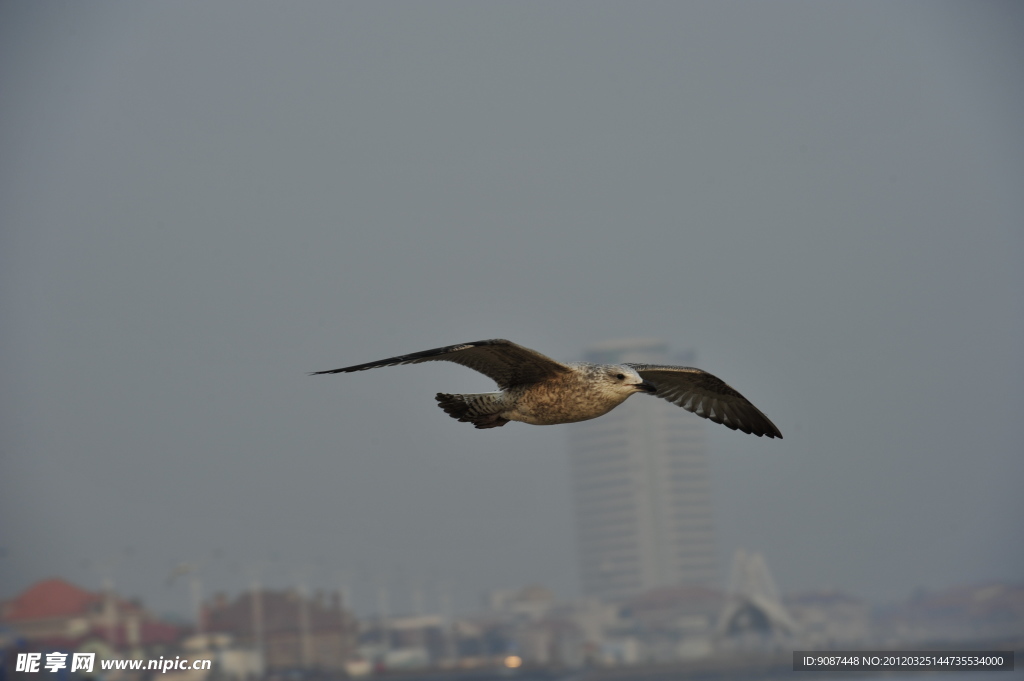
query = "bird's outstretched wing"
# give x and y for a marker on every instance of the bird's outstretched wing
(707, 396)
(506, 363)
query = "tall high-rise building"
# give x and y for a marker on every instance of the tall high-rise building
(641, 487)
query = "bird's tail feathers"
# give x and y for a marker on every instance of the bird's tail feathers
(480, 409)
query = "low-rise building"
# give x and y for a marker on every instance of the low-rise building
(829, 619)
(58, 615)
(993, 611)
(292, 631)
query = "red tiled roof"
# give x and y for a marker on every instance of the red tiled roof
(49, 598)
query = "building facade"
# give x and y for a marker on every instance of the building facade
(292, 631)
(641, 488)
(57, 615)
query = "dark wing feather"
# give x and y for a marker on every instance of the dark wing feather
(707, 396)
(506, 363)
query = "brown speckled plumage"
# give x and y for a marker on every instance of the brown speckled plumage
(536, 389)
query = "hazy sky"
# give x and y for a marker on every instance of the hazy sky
(202, 201)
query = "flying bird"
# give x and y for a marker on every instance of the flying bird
(536, 389)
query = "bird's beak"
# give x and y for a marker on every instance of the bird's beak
(646, 387)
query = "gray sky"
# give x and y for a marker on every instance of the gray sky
(203, 201)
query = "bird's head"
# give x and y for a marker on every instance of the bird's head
(624, 379)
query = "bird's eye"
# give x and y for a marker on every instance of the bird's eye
(621, 377)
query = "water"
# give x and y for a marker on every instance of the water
(973, 675)
(968, 675)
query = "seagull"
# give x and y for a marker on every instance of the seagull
(537, 390)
